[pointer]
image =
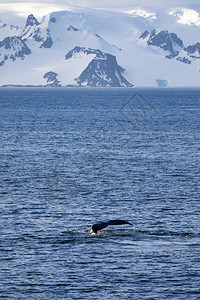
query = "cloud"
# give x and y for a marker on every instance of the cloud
(112, 3)
(19, 11)
(10, 9)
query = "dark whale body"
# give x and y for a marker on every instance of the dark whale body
(101, 225)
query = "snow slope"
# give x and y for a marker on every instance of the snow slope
(147, 48)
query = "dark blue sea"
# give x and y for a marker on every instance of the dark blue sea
(72, 157)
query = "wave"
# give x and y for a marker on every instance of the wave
(134, 232)
(162, 233)
(84, 236)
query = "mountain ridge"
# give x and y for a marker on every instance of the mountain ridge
(130, 45)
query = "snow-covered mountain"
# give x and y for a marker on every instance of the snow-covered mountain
(86, 47)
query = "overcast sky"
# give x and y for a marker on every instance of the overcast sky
(18, 10)
(111, 3)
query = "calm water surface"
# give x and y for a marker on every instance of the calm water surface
(71, 157)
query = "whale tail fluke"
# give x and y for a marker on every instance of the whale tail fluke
(101, 225)
(118, 222)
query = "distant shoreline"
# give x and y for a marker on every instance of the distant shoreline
(95, 87)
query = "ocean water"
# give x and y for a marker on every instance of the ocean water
(72, 157)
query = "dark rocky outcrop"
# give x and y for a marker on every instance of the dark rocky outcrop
(35, 31)
(102, 71)
(185, 60)
(72, 28)
(144, 34)
(31, 20)
(172, 43)
(52, 80)
(53, 20)
(13, 48)
(87, 51)
(163, 39)
(193, 50)
(47, 43)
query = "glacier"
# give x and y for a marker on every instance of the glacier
(98, 48)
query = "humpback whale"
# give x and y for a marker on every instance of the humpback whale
(101, 225)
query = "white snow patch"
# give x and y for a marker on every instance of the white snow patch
(186, 16)
(139, 12)
(143, 64)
